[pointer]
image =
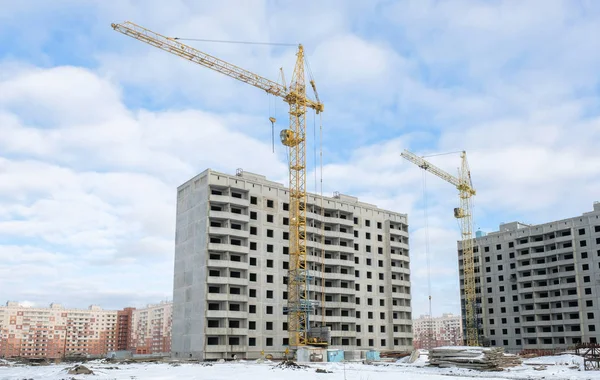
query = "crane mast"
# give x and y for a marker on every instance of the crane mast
(298, 306)
(464, 215)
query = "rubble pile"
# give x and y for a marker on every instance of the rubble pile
(480, 358)
(80, 370)
(290, 364)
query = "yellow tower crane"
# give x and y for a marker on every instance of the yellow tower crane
(298, 305)
(464, 215)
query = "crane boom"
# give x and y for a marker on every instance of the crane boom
(173, 46)
(465, 216)
(299, 305)
(423, 164)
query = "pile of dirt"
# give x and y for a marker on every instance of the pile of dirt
(290, 364)
(80, 370)
(321, 370)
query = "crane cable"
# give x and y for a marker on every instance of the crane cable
(427, 256)
(236, 42)
(322, 217)
(272, 119)
(322, 210)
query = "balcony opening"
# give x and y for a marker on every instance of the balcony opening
(234, 324)
(214, 306)
(213, 323)
(214, 289)
(236, 195)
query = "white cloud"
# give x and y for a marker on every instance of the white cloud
(68, 95)
(101, 191)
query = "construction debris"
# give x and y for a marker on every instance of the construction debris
(321, 370)
(479, 358)
(394, 354)
(80, 370)
(290, 364)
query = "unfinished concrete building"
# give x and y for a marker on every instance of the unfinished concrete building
(539, 285)
(231, 267)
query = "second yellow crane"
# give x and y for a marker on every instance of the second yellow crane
(464, 214)
(299, 305)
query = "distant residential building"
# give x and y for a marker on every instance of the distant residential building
(56, 332)
(124, 322)
(438, 331)
(151, 329)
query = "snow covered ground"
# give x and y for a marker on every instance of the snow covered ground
(564, 367)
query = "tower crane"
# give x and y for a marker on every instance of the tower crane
(465, 217)
(298, 305)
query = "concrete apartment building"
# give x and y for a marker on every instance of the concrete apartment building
(539, 285)
(231, 268)
(55, 331)
(431, 332)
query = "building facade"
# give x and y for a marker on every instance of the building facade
(433, 332)
(231, 267)
(150, 330)
(538, 286)
(124, 322)
(56, 332)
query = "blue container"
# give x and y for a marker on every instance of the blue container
(373, 355)
(335, 356)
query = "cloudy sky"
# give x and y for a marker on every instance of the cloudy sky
(98, 129)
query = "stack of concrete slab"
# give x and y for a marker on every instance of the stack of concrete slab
(481, 358)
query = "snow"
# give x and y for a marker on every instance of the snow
(555, 360)
(562, 367)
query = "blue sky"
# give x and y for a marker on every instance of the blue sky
(99, 129)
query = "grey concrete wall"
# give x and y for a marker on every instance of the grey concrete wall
(189, 284)
(388, 244)
(552, 269)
